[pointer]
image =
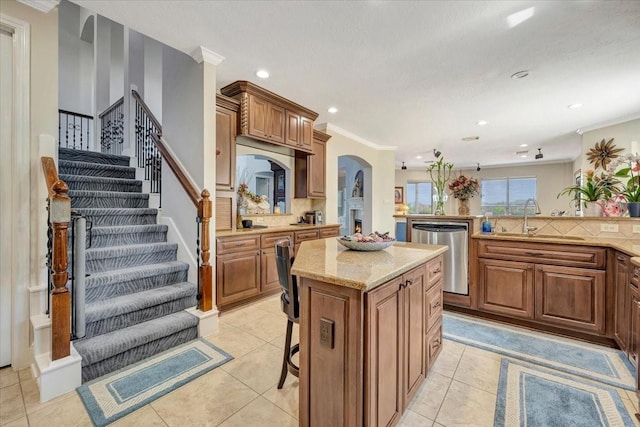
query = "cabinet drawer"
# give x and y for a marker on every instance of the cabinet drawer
(573, 256)
(434, 271)
(227, 245)
(635, 277)
(301, 236)
(329, 232)
(433, 344)
(270, 239)
(433, 310)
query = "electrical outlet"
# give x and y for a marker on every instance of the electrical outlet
(636, 228)
(611, 228)
(260, 219)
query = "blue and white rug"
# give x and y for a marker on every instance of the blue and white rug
(591, 361)
(536, 397)
(115, 395)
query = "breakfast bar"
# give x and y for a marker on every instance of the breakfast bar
(370, 329)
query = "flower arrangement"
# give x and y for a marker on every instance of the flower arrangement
(593, 189)
(630, 170)
(243, 191)
(464, 188)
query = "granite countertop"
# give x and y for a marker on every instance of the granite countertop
(272, 229)
(328, 261)
(626, 245)
(636, 261)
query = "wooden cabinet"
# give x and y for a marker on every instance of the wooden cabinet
(269, 117)
(634, 344)
(310, 170)
(238, 276)
(621, 306)
(415, 364)
(226, 126)
(506, 287)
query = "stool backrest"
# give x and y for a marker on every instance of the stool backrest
(289, 298)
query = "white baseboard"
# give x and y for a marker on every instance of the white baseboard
(41, 326)
(184, 254)
(58, 377)
(208, 320)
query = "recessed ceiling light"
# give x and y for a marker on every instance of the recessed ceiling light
(263, 74)
(524, 156)
(332, 110)
(524, 145)
(470, 138)
(520, 74)
(574, 106)
(482, 122)
(518, 18)
(418, 157)
(579, 131)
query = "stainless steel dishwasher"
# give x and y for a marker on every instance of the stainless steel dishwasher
(455, 235)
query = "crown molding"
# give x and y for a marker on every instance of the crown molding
(44, 6)
(613, 122)
(353, 136)
(202, 54)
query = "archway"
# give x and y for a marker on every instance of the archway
(354, 195)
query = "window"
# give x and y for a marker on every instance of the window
(419, 197)
(507, 196)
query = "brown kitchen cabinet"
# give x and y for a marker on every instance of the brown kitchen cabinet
(506, 287)
(266, 121)
(310, 170)
(299, 131)
(622, 306)
(226, 126)
(238, 276)
(634, 345)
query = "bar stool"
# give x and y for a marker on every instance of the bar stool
(290, 304)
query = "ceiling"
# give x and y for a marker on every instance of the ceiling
(419, 75)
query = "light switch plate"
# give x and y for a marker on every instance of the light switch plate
(326, 332)
(636, 228)
(611, 228)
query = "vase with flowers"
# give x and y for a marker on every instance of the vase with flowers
(630, 190)
(464, 188)
(593, 191)
(440, 173)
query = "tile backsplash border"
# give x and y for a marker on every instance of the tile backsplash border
(567, 226)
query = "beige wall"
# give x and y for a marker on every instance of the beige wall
(551, 179)
(382, 167)
(626, 135)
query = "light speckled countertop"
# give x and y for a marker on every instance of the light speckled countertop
(328, 261)
(636, 261)
(273, 229)
(629, 246)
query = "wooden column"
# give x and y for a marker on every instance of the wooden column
(60, 210)
(204, 273)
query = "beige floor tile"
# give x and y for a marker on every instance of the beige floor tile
(267, 327)
(225, 327)
(31, 395)
(236, 343)
(479, 371)
(11, 404)
(20, 422)
(143, 417)
(271, 304)
(259, 369)
(411, 419)
(207, 400)
(66, 412)
(241, 316)
(287, 398)
(467, 405)
(260, 412)
(429, 397)
(448, 359)
(278, 341)
(8, 377)
(25, 374)
(480, 352)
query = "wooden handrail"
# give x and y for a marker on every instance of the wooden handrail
(146, 109)
(50, 173)
(73, 113)
(191, 191)
(111, 107)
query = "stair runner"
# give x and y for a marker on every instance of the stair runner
(136, 290)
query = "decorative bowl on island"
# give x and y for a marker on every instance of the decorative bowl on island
(367, 242)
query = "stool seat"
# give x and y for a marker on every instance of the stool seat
(290, 303)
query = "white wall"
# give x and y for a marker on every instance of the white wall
(551, 179)
(626, 135)
(153, 76)
(382, 180)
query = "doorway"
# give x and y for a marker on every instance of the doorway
(354, 195)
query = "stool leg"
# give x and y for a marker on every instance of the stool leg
(287, 348)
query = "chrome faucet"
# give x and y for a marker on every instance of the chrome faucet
(526, 228)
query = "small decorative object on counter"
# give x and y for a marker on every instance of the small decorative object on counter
(440, 172)
(592, 190)
(486, 225)
(630, 190)
(367, 242)
(463, 189)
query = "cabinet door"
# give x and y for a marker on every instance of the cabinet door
(433, 305)
(506, 287)
(316, 171)
(238, 276)
(329, 232)
(306, 133)
(225, 142)
(275, 123)
(269, 270)
(634, 345)
(383, 363)
(293, 129)
(621, 323)
(433, 343)
(258, 117)
(570, 297)
(413, 296)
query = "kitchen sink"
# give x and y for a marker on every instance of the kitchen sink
(540, 236)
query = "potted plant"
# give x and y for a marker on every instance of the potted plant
(631, 189)
(593, 191)
(440, 173)
(464, 188)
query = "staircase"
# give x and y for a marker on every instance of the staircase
(136, 291)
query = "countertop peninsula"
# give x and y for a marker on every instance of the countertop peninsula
(273, 229)
(328, 261)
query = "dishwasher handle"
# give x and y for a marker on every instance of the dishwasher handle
(439, 228)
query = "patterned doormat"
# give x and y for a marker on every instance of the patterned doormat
(115, 395)
(606, 365)
(537, 397)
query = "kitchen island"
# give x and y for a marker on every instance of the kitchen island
(370, 329)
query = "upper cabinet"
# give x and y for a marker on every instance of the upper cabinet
(311, 169)
(226, 125)
(269, 117)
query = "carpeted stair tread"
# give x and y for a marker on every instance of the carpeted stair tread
(99, 183)
(70, 167)
(101, 217)
(108, 199)
(116, 257)
(92, 156)
(126, 281)
(104, 346)
(119, 235)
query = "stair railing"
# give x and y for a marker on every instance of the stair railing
(112, 128)
(147, 152)
(59, 216)
(75, 130)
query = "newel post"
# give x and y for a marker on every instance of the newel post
(60, 299)
(205, 275)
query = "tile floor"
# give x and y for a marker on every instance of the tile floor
(460, 390)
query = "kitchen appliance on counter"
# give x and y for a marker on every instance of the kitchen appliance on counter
(455, 235)
(314, 217)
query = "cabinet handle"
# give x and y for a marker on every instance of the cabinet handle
(436, 343)
(534, 253)
(621, 258)
(437, 270)
(436, 305)
(240, 244)
(408, 283)
(401, 286)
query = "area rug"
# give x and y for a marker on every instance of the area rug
(591, 361)
(115, 395)
(537, 397)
